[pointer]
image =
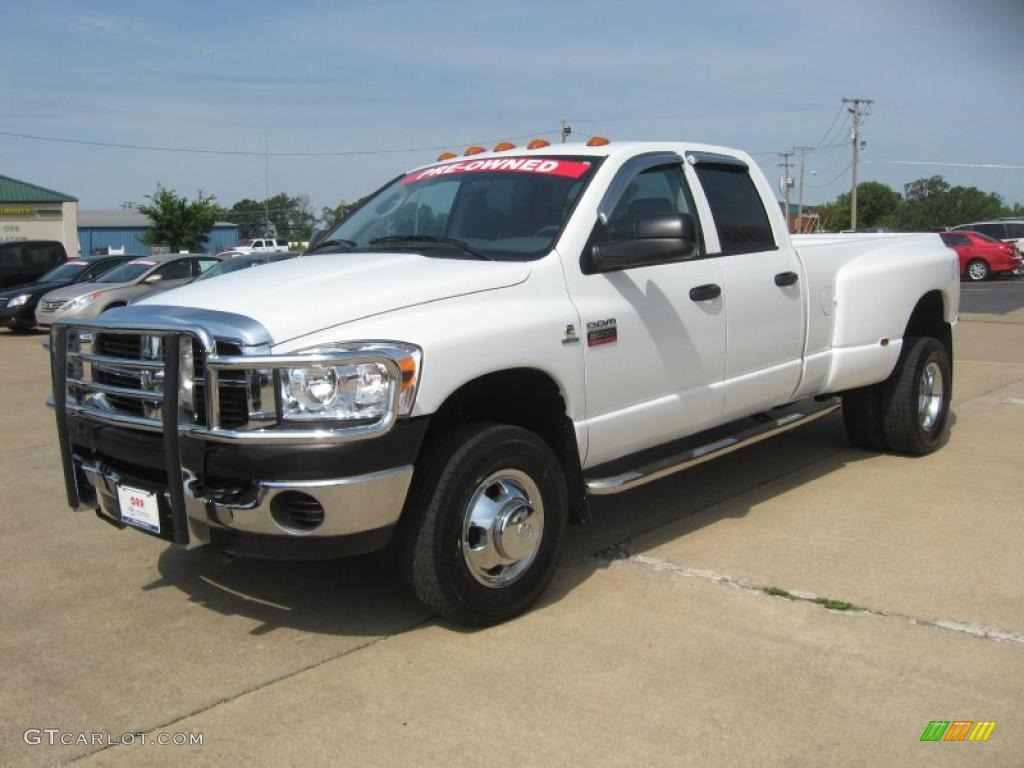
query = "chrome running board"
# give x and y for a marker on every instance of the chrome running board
(804, 413)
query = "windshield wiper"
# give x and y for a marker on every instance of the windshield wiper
(333, 241)
(460, 244)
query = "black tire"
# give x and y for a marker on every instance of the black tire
(977, 271)
(430, 537)
(904, 424)
(862, 417)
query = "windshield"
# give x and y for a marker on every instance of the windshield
(507, 208)
(65, 273)
(127, 272)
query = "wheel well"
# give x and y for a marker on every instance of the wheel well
(522, 397)
(929, 319)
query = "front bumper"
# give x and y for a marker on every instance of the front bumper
(359, 512)
(289, 493)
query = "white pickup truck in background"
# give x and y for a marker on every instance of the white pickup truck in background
(463, 361)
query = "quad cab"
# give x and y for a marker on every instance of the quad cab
(485, 344)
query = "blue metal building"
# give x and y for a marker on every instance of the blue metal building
(122, 229)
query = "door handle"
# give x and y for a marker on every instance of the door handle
(706, 292)
(786, 278)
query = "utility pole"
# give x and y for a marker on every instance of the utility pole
(800, 205)
(858, 117)
(565, 129)
(786, 182)
(266, 186)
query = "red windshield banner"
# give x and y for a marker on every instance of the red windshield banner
(570, 169)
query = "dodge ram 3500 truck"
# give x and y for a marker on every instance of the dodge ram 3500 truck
(487, 342)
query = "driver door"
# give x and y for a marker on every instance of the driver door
(654, 347)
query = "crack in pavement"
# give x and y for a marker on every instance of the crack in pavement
(623, 553)
(260, 686)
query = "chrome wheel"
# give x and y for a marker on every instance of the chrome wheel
(930, 395)
(502, 528)
(977, 270)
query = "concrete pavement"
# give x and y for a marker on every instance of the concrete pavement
(657, 644)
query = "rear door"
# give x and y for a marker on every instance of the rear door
(762, 289)
(10, 265)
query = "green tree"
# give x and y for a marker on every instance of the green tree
(878, 205)
(932, 204)
(178, 223)
(331, 216)
(282, 215)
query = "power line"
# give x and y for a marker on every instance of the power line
(264, 154)
(690, 115)
(999, 166)
(833, 180)
(830, 127)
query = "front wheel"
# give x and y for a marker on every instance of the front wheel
(484, 523)
(977, 271)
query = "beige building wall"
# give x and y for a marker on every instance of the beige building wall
(41, 221)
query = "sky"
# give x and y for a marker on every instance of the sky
(375, 79)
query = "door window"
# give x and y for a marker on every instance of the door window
(1015, 230)
(950, 239)
(656, 190)
(992, 230)
(736, 205)
(39, 255)
(10, 257)
(180, 269)
(201, 265)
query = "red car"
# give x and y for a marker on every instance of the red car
(981, 256)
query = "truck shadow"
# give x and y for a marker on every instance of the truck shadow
(366, 596)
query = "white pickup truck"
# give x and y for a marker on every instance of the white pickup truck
(487, 342)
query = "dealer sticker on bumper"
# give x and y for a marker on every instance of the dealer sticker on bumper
(139, 508)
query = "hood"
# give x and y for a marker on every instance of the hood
(32, 288)
(80, 289)
(299, 296)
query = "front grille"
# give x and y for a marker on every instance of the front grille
(52, 306)
(234, 402)
(128, 363)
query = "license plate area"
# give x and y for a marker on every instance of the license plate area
(139, 508)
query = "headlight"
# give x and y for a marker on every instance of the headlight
(81, 302)
(359, 391)
(17, 301)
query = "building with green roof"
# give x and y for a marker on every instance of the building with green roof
(31, 212)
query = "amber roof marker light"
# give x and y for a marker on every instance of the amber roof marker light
(446, 156)
(474, 150)
(503, 146)
(538, 144)
(597, 141)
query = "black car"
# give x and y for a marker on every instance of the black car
(18, 305)
(26, 261)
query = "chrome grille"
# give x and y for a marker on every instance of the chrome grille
(52, 306)
(233, 385)
(122, 374)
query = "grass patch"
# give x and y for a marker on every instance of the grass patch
(777, 592)
(835, 605)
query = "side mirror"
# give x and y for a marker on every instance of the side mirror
(315, 235)
(660, 238)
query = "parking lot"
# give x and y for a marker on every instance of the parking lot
(796, 603)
